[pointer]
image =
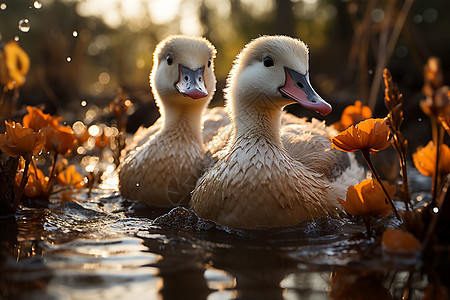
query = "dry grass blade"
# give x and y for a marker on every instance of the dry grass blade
(394, 102)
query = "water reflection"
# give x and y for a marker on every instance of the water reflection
(103, 246)
(258, 272)
(102, 269)
(181, 267)
(347, 283)
(22, 267)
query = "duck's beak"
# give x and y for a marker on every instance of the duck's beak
(191, 83)
(298, 88)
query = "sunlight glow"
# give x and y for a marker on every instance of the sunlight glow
(163, 11)
(258, 8)
(133, 12)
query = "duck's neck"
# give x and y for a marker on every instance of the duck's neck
(184, 118)
(257, 122)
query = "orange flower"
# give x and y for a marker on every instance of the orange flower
(36, 119)
(59, 139)
(437, 104)
(70, 177)
(102, 141)
(425, 159)
(445, 121)
(368, 199)
(36, 183)
(120, 105)
(397, 240)
(371, 135)
(20, 141)
(352, 115)
(17, 64)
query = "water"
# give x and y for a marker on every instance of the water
(37, 4)
(102, 246)
(24, 25)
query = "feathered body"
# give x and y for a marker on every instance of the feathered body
(268, 175)
(165, 168)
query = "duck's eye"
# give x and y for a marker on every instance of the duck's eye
(209, 63)
(169, 59)
(268, 61)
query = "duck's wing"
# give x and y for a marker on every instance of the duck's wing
(310, 145)
(141, 136)
(213, 120)
(216, 130)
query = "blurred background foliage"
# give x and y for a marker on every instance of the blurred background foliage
(83, 51)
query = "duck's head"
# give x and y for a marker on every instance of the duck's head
(183, 70)
(274, 71)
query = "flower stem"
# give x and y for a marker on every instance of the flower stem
(405, 187)
(52, 175)
(366, 156)
(23, 183)
(438, 136)
(434, 220)
(366, 220)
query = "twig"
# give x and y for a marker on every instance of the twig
(388, 53)
(23, 183)
(435, 218)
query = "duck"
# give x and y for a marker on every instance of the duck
(272, 175)
(170, 155)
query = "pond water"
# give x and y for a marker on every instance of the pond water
(101, 246)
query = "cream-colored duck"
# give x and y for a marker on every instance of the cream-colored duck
(164, 170)
(272, 176)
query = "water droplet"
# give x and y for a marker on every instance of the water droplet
(418, 19)
(37, 4)
(69, 59)
(3, 6)
(137, 184)
(377, 15)
(401, 51)
(430, 15)
(75, 33)
(435, 210)
(83, 103)
(24, 25)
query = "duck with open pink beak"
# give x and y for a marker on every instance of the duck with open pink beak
(190, 82)
(298, 88)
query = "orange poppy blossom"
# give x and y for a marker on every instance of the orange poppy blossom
(368, 199)
(352, 115)
(371, 135)
(60, 139)
(36, 183)
(20, 141)
(368, 136)
(397, 240)
(16, 65)
(102, 140)
(120, 104)
(70, 177)
(445, 121)
(36, 119)
(437, 101)
(425, 159)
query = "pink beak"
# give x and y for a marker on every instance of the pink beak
(191, 83)
(298, 88)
